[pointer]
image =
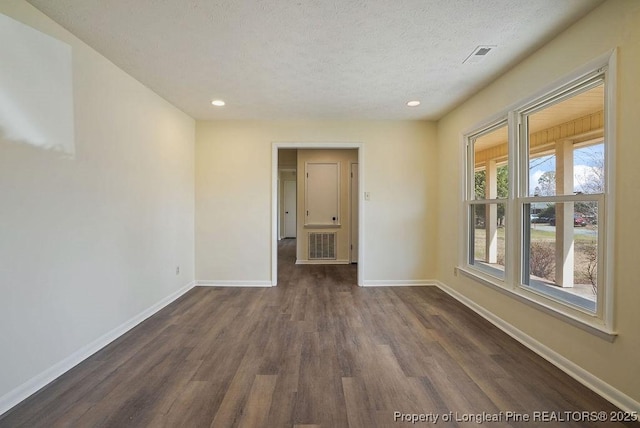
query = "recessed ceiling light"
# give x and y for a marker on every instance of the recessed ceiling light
(218, 103)
(413, 103)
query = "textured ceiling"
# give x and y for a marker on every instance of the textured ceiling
(314, 59)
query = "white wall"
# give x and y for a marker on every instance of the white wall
(614, 24)
(90, 241)
(233, 196)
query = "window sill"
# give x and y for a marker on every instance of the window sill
(541, 303)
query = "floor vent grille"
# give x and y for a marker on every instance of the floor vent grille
(322, 246)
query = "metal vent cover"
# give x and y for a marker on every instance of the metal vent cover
(479, 54)
(322, 246)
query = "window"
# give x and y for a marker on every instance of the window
(487, 207)
(563, 142)
(537, 195)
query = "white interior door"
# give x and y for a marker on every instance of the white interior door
(354, 212)
(290, 209)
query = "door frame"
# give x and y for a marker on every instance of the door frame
(275, 146)
(351, 216)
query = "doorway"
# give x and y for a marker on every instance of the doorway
(290, 209)
(356, 196)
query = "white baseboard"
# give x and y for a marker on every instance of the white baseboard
(399, 283)
(215, 283)
(615, 396)
(322, 262)
(36, 383)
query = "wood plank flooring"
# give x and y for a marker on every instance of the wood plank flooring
(316, 351)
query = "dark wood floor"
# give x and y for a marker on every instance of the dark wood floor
(315, 351)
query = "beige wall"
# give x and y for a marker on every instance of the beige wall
(233, 196)
(89, 242)
(346, 158)
(615, 23)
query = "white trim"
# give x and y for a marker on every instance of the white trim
(234, 283)
(323, 262)
(400, 283)
(611, 114)
(463, 238)
(605, 390)
(351, 198)
(275, 146)
(361, 222)
(513, 257)
(22, 392)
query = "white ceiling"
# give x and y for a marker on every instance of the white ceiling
(314, 59)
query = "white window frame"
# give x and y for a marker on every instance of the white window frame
(600, 322)
(471, 200)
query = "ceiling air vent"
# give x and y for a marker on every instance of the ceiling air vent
(479, 54)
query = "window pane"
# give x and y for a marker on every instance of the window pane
(561, 249)
(491, 178)
(588, 169)
(487, 244)
(480, 180)
(566, 149)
